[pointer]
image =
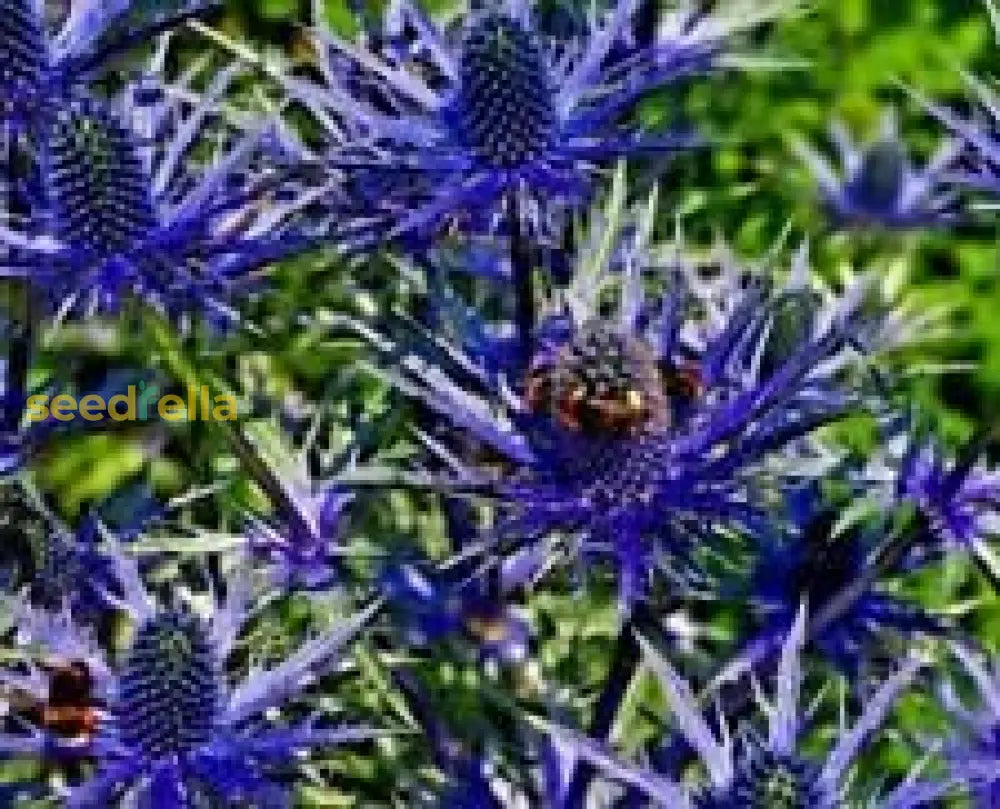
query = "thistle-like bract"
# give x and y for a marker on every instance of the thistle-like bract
(169, 725)
(119, 210)
(878, 185)
(680, 408)
(972, 752)
(45, 60)
(758, 771)
(494, 116)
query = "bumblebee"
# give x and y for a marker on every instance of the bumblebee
(70, 711)
(603, 383)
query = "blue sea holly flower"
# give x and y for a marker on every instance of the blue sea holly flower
(442, 123)
(120, 208)
(956, 500)
(44, 55)
(824, 553)
(304, 548)
(959, 501)
(642, 415)
(757, 770)
(301, 542)
(813, 554)
(878, 185)
(170, 727)
(67, 565)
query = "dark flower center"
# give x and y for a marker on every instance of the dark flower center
(98, 185)
(22, 43)
(767, 781)
(169, 690)
(601, 383)
(624, 474)
(880, 181)
(506, 111)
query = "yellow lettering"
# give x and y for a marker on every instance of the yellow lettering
(225, 408)
(129, 400)
(38, 409)
(92, 407)
(63, 406)
(171, 408)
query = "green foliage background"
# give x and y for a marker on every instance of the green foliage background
(845, 58)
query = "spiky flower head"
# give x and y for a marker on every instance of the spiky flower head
(649, 407)
(505, 108)
(101, 197)
(954, 497)
(959, 499)
(600, 381)
(173, 727)
(766, 780)
(302, 541)
(495, 115)
(46, 55)
(761, 770)
(120, 210)
(879, 186)
(169, 689)
(817, 553)
(976, 134)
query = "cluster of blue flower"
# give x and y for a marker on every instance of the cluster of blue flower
(619, 405)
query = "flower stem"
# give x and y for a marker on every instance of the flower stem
(624, 665)
(243, 448)
(522, 267)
